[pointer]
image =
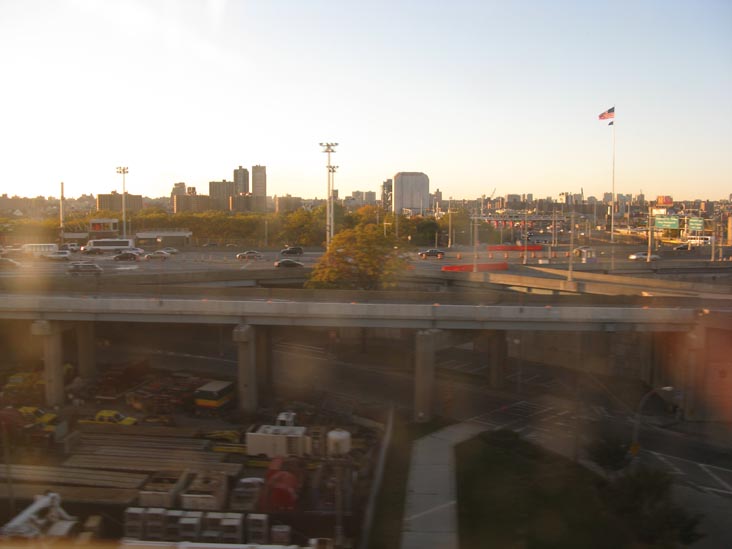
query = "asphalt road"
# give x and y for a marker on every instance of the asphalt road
(204, 259)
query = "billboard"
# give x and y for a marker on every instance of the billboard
(665, 201)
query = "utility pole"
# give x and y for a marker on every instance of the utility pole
(329, 148)
(332, 171)
(475, 245)
(449, 223)
(526, 235)
(123, 170)
(61, 213)
(650, 235)
(571, 247)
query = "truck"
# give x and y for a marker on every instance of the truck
(107, 417)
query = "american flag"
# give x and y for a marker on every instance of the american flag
(608, 114)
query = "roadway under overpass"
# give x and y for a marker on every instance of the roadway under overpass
(696, 336)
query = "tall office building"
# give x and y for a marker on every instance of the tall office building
(411, 192)
(241, 180)
(220, 192)
(259, 188)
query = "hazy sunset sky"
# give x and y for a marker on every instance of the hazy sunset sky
(478, 95)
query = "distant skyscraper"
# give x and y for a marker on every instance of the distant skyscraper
(241, 180)
(411, 192)
(179, 189)
(220, 192)
(386, 194)
(259, 187)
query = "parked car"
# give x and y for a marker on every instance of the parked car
(439, 254)
(210, 245)
(7, 264)
(170, 250)
(126, 256)
(292, 250)
(157, 254)
(287, 263)
(643, 256)
(249, 255)
(80, 268)
(61, 255)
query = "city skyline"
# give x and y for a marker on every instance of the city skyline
(479, 96)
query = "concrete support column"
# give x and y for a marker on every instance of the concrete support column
(263, 357)
(693, 396)
(424, 373)
(490, 347)
(244, 335)
(53, 370)
(85, 349)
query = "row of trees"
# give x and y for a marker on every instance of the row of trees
(301, 227)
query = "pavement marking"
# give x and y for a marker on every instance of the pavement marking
(428, 511)
(674, 469)
(706, 468)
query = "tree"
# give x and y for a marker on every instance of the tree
(358, 259)
(609, 450)
(642, 498)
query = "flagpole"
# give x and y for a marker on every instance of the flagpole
(612, 207)
(612, 210)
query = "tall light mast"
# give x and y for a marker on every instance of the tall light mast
(329, 148)
(123, 170)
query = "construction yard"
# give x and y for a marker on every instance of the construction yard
(167, 457)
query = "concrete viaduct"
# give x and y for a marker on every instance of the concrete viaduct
(693, 366)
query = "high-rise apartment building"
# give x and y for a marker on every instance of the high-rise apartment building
(241, 180)
(411, 192)
(259, 188)
(220, 192)
(113, 202)
(191, 202)
(179, 189)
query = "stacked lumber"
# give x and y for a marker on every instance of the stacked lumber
(143, 441)
(162, 462)
(149, 430)
(43, 474)
(74, 494)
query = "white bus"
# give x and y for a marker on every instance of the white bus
(109, 244)
(39, 250)
(700, 240)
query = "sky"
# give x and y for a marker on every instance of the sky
(484, 97)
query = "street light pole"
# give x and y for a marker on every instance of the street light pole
(123, 170)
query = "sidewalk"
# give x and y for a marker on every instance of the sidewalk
(430, 511)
